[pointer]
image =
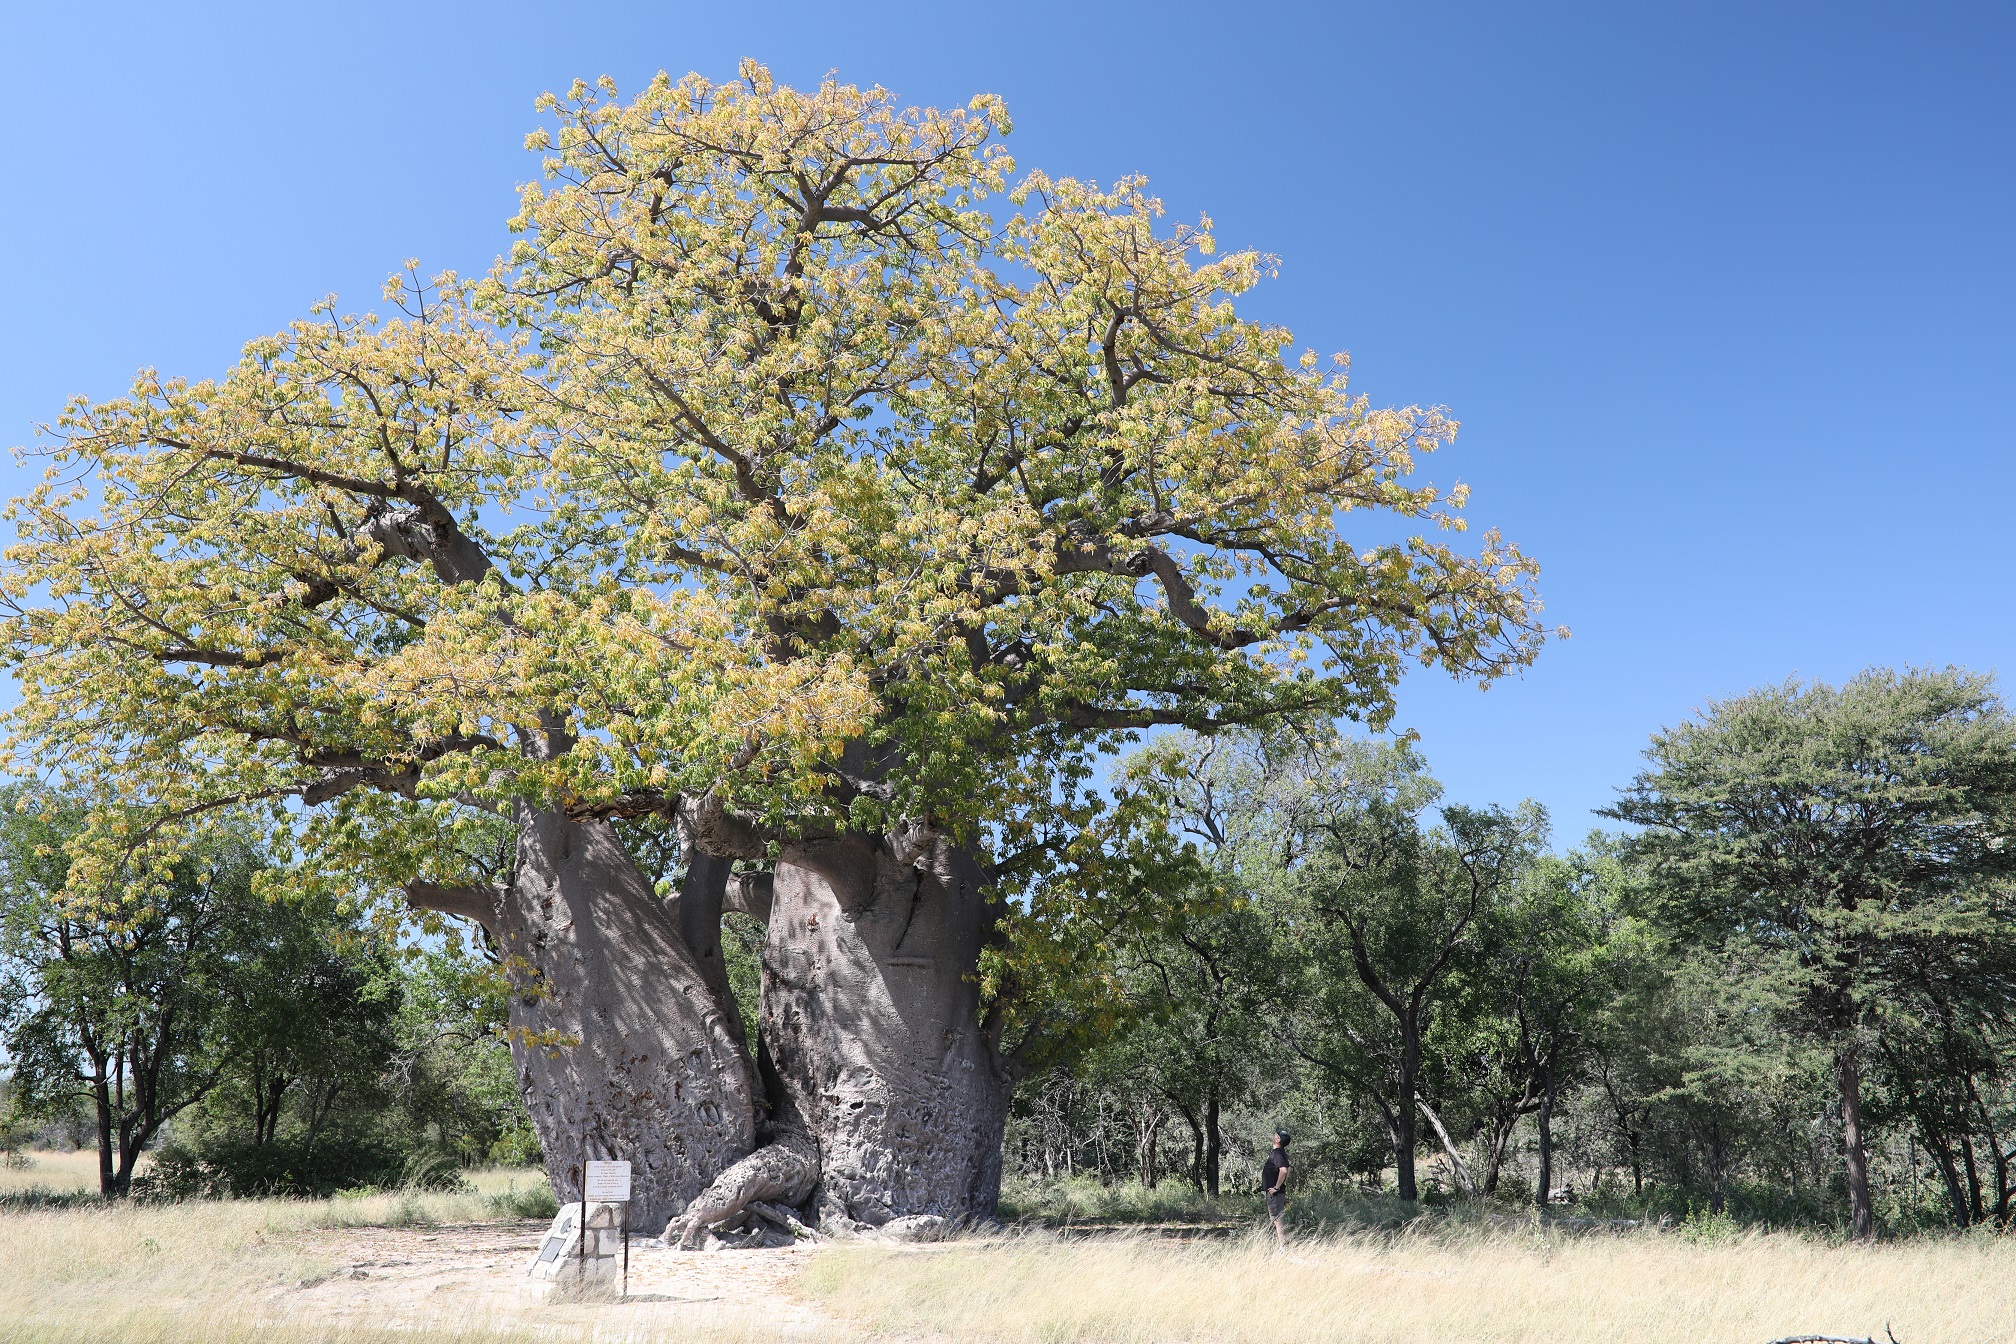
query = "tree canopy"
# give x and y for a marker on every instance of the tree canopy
(773, 467)
(1848, 849)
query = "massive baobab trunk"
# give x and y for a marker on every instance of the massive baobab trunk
(870, 1011)
(624, 1037)
(882, 1084)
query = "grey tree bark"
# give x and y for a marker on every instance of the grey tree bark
(1459, 1170)
(871, 1013)
(626, 1043)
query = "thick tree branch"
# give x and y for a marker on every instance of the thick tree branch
(471, 902)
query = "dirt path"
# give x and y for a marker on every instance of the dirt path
(466, 1275)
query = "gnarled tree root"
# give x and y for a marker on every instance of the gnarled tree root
(779, 1174)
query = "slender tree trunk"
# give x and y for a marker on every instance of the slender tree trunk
(871, 1009)
(1145, 1160)
(1214, 1144)
(1861, 1216)
(1196, 1148)
(101, 1094)
(1949, 1173)
(1403, 1113)
(1545, 1194)
(1998, 1160)
(1976, 1209)
(624, 1045)
(1498, 1140)
(131, 1145)
(1623, 1114)
(1717, 1148)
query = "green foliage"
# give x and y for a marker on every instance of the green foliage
(534, 1200)
(400, 1084)
(126, 1004)
(456, 1089)
(273, 1044)
(211, 1163)
(1662, 1006)
(1847, 859)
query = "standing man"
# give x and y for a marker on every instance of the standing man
(1274, 1180)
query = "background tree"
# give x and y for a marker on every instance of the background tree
(1942, 1064)
(1205, 994)
(390, 1069)
(120, 1006)
(1205, 982)
(1833, 843)
(1686, 1082)
(1391, 909)
(305, 1018)
(1542, 973)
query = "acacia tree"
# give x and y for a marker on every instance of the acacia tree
(774, 487)
(1535, 990)
(122, 1008)
(1390, 912)
(1838, 843)
(1204, 979)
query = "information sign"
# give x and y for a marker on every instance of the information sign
(607, 1181)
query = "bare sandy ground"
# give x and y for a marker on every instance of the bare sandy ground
(466, 1275)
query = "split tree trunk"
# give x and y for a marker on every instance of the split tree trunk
(1147, 1128)
(1949, 1173)
(871, 1012)
(625, 1043)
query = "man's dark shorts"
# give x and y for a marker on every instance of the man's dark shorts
(1277, 1204)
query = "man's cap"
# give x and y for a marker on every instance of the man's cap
(1282, 1135)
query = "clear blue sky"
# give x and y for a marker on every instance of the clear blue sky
(1724, 295)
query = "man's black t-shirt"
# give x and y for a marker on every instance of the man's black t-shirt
(1271, 1173)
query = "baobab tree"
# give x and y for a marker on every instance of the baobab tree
(800, 477)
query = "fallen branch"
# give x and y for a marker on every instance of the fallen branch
(1836, 1339)
(781, 1171)
(782, 1218)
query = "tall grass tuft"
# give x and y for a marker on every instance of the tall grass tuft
(1506, 1285)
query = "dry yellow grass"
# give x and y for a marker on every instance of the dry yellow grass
(244, 1270)
(224, 1271)
(67, 1173)
(58, 1173)
(1507, 1288)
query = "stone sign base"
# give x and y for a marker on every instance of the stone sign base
(563, 1260)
